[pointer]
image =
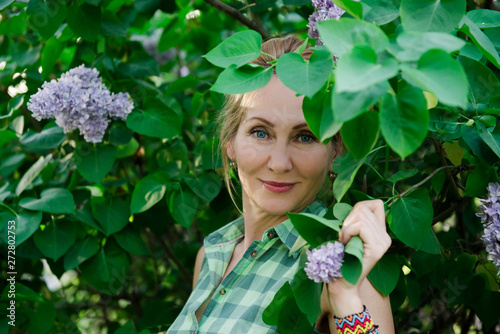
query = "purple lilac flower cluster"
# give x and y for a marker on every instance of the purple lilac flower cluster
(490, 215)
(325, 10)
(79, 100)
(325, 263)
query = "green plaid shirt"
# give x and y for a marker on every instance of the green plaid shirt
(239, 300)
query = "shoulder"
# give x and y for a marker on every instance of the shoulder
(197, 264)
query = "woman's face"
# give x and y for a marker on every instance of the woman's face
(281, 164)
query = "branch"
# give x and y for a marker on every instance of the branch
(172, 257)
(238, 16)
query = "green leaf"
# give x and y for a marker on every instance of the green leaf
(402, 175)
(32, 173)
(112, 214)
(478, 179)
(349, 105)
(10, 164)
(5, 3)
(305, 77)
(53, 200)
(206, 186)
(410, 218)
(50, 137)
(411, 46)
(26, 224)
(319, 116)
(491, 137)
(55, 239)
(353, 260)
(14, 104)
(242, 80)
(156, 120)
(106, 271)
(46, 16)
(130, 240)
(358, 70)
(431, 244)
(404, 120)
(440, 74)
(477, 145)
(41, 318)
(361, 133)
(380, 12)
(348, 167)
(85, 215)
(50, 55)
(127, 150)
(494, 36)
(183, 205)
(7, 136)
(144, 67)
(314, 229)
(149, 191)
(89, 14)
(483, 83)
(354, 8)
(431, 15)
(342, 35)
(385, 274)
(341, 210)
(181, 84)
(236, 50)
(481, 40)
(484, 18)
(94, 161)
(307, 295)
(81, 251)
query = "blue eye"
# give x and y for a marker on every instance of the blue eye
(305, 138)
(261, 134)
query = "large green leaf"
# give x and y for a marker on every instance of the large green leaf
(347, 169)
(380, 11)
(476, 144)
(112, 214)
(46, 16)
(206, 186)
(481, 40)
(314, 229)
(431, 15)
(306, 77)
(242, 80)
(490, 136)
(358, 70)
(5, 3)
(354, 8)
(319, 116)
(90, 16)
(53, 200)
(404, 120)
(106, 271)
(50, 54)
(94, 161)
(50, 137)
(32, 173)
(484, 18)
(26, 223)
(385, 274)
(130, 240)
(156, 120)
(237, 50)
(440, 74)
(361, 133)
(410, 218)
(410, 46)
(483, 83)
(183, 205)
(353, 260)
(81, 251)
(342, 35)
(349, 105)
(307, 295)
(55, 239)
(149, 191)
(478, 179)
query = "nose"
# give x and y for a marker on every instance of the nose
(279, 158)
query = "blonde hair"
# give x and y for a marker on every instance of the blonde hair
(233, 110)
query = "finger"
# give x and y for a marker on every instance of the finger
(377, 207)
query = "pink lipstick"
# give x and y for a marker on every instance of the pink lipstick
(277, 187)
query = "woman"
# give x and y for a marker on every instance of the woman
(281, 166)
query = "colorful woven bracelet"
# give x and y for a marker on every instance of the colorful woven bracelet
(356, 323)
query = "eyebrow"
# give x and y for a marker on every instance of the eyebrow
(298, 126)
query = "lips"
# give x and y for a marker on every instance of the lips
(277, 187)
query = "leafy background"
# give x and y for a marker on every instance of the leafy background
(107, 234)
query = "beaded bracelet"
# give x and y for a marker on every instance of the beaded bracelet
(356, 323)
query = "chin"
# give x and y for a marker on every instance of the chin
(278, 206)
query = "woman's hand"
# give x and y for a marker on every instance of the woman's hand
(366, 220)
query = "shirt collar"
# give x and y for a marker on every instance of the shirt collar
(284, 230)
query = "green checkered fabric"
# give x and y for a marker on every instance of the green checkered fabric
(238, 301)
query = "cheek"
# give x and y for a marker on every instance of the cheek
(314, 165)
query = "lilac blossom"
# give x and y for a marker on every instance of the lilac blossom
(490, 216)
(79, 100)
(324, 10)
(325, 263)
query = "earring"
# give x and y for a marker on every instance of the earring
(332, 176)
(233, 165)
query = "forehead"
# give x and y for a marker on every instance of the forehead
(274, 102)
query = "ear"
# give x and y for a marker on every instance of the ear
(230, 149)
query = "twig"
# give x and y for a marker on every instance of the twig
(172, 256)
(415, 186)
(439, 151)
(238, 16)
(450, 210)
